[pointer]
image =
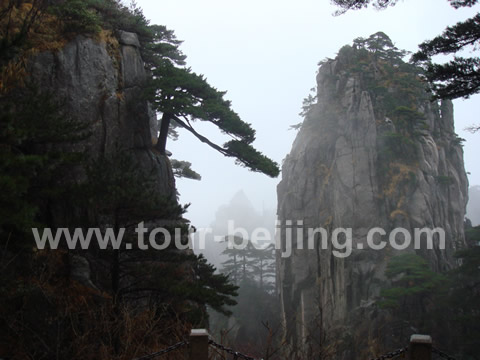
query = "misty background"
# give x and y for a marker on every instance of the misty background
(265, 54)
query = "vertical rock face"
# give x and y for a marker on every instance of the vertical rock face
(372, 152)
(101, 82)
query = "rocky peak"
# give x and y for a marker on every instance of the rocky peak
(373, 151)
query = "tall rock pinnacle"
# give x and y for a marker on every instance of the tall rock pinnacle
(374, 151)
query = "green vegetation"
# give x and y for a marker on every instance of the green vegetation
(213, 289)
(396, 86)
(458, 141)
(456, 78)
(184, 169)
(444, 180)
(253, 270)
(450, 298)
(398, 94)
(182, 96)
(250, 264)
(116, 188)
(78, 18)
(96, 303)
(407, 118)
(463, 298)
(412, 281)
(176, 91)
(397, 147)
(30, 123)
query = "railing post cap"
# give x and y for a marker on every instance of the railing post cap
(199, 332)
(421, 339)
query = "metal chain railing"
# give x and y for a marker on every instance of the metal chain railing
(415, 339)
(164, 351)
(392, 354)
(235, 354)
(442, 354)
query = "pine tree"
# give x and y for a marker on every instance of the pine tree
(254, 269)
(454, 79)
(44, 310)
(211, 288)
(32, 126)
(463, 296)
(263, 265)
(184, 169)
(182, 96)
(238, 265)
(460, 77)
(122, 195)
(413, 289)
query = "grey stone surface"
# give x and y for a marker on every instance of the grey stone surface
(330, 179)
(80, 271)
(103, 88)
(101, 85)
(128, 38)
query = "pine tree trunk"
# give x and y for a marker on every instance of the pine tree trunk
(244, 268)
(235, 269)
(162, 137)
(115, 269)
(115, 266)
(261, 274)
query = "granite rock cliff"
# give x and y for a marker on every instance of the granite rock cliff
(373, 151)
(101, 82)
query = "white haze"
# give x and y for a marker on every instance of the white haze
(265, 54)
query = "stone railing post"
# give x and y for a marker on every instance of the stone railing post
(420, 347)
(198, 344)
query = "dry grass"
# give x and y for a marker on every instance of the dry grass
(42, 35)
(79, 322)
(398, 175)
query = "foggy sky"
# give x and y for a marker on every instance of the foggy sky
(265, 54)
